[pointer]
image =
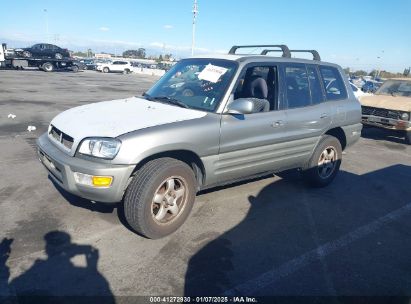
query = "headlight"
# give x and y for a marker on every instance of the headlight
(106, 148)
(405, 116)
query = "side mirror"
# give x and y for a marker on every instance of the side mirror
(240, 106)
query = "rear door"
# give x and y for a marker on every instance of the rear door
(308, 115)
(336, 95)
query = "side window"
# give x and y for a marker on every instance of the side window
(333, 83)
(354, 89)
(315, 85)
(297, 87)
(116, 62)
(259, 82)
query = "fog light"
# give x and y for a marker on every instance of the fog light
(102, 181)
(93, 181)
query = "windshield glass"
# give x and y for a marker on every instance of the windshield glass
(196, 83)
(396, 88)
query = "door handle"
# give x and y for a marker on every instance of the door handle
(324, 115)
(277, 124)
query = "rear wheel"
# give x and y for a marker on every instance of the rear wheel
(127, 71)
(408, 137)
(75, 68)
(48, 67)
(324, 163)
(160, 197)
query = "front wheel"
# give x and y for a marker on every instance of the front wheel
(324, 163)
(160, 197)
(106, 70)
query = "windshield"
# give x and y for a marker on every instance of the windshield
(195, 83)
(396, 88)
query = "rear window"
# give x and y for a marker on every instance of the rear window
(333, 83)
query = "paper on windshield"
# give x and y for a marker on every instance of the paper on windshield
(212, 73)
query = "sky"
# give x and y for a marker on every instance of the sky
(361, 34)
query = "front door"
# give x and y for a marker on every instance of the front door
(253, 143)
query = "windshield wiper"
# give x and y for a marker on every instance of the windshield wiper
(168, 100)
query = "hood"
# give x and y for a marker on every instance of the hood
(117, 117)
(398, 103)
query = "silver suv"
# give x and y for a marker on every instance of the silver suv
(211, 120)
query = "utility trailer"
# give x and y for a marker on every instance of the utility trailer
(9, 60)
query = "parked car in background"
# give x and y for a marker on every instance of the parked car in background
(390, 107)
(357, 91)
(371, 86)
(89, 64)
(117, 66)
(80, 65)
(43, 50)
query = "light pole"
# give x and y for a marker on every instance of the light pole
(379, 66)
(47, 24)
(195, 12)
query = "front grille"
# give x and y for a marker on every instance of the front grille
(381, 112)
(61, 137)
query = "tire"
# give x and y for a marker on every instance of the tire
(106, 70)
(75, 68)
(126, 71)
(408, 137)
(58, 56)
(141, 211)
(27, 54)
(324, 163)
(48, 67)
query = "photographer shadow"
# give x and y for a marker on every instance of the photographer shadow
(61, 275)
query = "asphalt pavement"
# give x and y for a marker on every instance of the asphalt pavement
(271, 236)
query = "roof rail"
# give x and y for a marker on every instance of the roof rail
(284, 48)
(316, 55)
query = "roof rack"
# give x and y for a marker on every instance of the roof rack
(316, 55)
(284, 48)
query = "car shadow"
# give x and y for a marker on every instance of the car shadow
(94, 206)
(272, 251)
(68, 274)
(382, 134)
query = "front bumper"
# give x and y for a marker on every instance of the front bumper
(62, 167)
(386, 123)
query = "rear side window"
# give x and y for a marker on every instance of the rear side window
(297, 87)
(333, 83)
(354, 89)
(315, 85)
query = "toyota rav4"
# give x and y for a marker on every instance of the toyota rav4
(211, 120)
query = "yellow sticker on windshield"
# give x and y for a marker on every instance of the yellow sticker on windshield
(212, 73)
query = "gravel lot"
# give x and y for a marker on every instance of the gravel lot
(270, 236)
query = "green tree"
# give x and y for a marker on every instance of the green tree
(360, 73)
(140, 53)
